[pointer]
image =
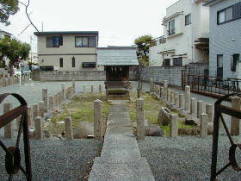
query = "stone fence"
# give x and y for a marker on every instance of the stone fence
(157, 74)
(176, 76)
(7, 81)
(37, 113)
(201, 113)
(91, 75)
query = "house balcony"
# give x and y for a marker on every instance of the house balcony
(202, 44)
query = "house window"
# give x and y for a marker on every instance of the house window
(61, 62)
(229, 14)
(171, 27)
(177, 61)
(188, 19)
(54, 41)
(73, 62)
(88, 65)
(234, 61)
(81, 41)
(166, 62)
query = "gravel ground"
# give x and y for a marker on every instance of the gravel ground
(186, 158)
(57, 160)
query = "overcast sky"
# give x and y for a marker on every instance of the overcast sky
(119, 22)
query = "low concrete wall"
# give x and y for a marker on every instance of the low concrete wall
(73, 75)
(159, 74)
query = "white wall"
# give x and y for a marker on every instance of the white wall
(183, 40)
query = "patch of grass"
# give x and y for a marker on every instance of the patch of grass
(181, 125)
(152, 107)
(81, 108)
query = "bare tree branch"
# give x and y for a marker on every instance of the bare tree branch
(27, 13)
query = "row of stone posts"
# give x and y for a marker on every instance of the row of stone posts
(36, 112)
(92, 88)
(11, 80)
(197, 108)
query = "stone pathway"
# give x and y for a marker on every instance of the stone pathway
(120, 158)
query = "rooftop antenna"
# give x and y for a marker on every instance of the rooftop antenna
(42, 26)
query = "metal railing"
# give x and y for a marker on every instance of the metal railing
(13, 154)
(218, 117)
(212, 85)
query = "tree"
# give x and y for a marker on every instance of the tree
(14, 50)
(8, 8)
(143, 44)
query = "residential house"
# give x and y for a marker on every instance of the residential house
(4, 34)
(67, 50)
(185, 39)
(225, 38)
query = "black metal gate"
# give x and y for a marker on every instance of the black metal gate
(219, 110)
(13, 156)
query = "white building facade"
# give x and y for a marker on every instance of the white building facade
(186, 33)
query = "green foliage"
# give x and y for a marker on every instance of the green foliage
(8, 8)
(14, 50)
(143, 44)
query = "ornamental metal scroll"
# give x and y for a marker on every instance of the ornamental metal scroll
(219, 110)
(13, 156)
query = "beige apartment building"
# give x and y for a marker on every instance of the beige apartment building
(67, 50)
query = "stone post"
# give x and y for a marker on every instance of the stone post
(51, 103)
(187, 98)
(174, 125)
(151, 85)
(97, 119)
(100, 88)
(210, 112)
(63, 91)
(35, 111)
(200, 108)
(30, 115)
(8, 132)
(165, 90)
(55, 100)
(41, 111)
(38, 128)
(169, 96)
(203, 125)
(140, 116)
(235, 122)
(194, 107)
(68, 128)
(92, 89)
(73, 85)
(181, 101)
(176, 97)
(161, 92)
(45, 99)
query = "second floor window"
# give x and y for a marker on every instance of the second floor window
(228, 14)
(188, 19)
(171, 27)
(81, 41)
(177, 61)
(54, 41)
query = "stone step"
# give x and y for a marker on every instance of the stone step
(138, 170)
